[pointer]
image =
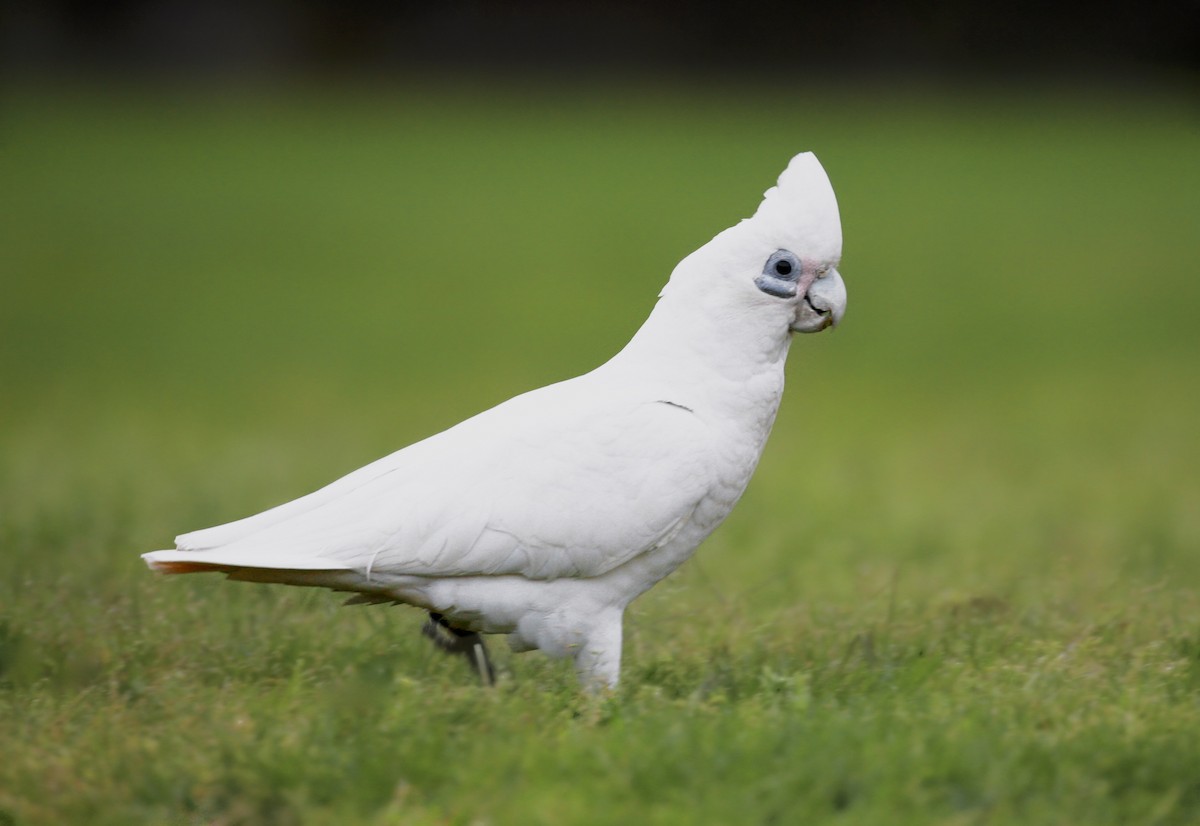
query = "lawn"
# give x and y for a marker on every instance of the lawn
(964, 586)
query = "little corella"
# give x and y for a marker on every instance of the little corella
(545, 516)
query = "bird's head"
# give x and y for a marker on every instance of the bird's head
(779, 265)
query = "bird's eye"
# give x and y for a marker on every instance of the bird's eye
(779, 275)
(782, 264)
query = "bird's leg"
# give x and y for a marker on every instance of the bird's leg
(457, 641)
(598, 658)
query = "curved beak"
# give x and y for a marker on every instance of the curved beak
(823, 305)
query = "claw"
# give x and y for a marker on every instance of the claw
(457, 641)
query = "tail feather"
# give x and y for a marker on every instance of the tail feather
(190, 562)
(181, 567)
(259, 567)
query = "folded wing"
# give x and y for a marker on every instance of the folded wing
(550, 484)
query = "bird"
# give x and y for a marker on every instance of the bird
(545, 516)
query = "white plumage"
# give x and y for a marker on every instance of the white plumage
(544, 517)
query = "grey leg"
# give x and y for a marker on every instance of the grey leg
(467, 644)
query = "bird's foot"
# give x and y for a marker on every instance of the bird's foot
(468, 644)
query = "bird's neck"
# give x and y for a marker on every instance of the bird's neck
(707, 355)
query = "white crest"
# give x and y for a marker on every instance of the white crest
(802, 206)
(799, 213)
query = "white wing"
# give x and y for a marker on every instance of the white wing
(559, 482)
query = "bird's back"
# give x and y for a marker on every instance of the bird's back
(571, 480)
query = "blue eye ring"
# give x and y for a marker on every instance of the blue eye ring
(780, 274)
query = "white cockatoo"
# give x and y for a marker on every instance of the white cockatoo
(545, 516)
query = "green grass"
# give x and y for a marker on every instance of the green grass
(963, 587)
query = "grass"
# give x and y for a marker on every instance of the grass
(961, 589)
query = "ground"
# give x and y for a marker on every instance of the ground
(961, 589)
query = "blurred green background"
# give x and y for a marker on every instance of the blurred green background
(961, 588)
(354, 270)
